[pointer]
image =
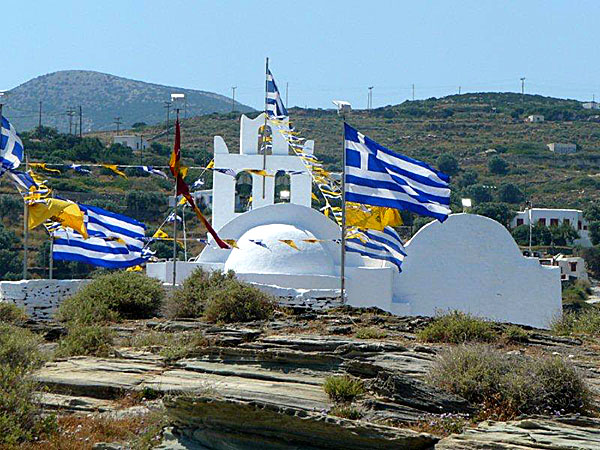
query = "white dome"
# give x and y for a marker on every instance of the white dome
(279, 258)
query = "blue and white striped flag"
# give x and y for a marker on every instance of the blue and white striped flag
(384, 245)
(275, 106)
(151, 170)
(378, 176)
(11, 147)
(116, 241)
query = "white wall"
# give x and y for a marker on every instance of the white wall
(40, 298)
(471, 263)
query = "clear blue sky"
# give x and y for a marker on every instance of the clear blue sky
(324, 49)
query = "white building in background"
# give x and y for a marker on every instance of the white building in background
(534, 118)
(132, 141)
(571, 267)
(469, 263)
(562, 149)
(591, 105)
(555, 217)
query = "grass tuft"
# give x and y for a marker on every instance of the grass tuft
(370, 333)
(11, 313)
(343, 389)
(583, 322)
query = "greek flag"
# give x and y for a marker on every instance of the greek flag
(151, 170)
(116, 241)
(275, 107)
(384, 245)
(11, 147)
(378, 176)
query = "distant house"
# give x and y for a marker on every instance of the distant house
(591, 105)
(535, 118)
(132, 141)
(571, 267)
(556, 217)
(562, 149)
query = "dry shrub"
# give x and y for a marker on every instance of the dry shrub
(90, 340)
(11, 313)
(584, 322)
(508, 385)
(456, 328)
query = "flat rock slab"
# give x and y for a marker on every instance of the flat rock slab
(222, 424)
(96, 377)
(555, 434)
(283, 393)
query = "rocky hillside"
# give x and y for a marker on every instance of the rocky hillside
(102, 98)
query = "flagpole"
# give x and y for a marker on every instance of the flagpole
(184, 233)
(51, 259)
(264, 133)
(175, 225)
(343, 258)
(25, 227)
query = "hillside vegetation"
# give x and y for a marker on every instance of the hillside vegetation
(494, 157)
(102, 97)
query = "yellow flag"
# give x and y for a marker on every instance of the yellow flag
(160, 234)
(313, 240)
(183, 171)
(371, 217)
(290, 242)
(134, 269)
(231, 242)
(44, 167)
(66, 213)
(115, 169)
(182, 201)
(211, 164)
(262, 173)
(314, 197)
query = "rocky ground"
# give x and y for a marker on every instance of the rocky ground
(261, 385)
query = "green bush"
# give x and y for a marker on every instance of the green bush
(20, 413)
(457, 327)
(515, 334)
(219, 297)
(11, 313)
(114, 296)
(19, 347)
(507, 386)
(343, 389)
(583, 322)
(92, 340)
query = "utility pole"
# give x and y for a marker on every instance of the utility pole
(40, 121)
(233, 88)
(522, 85)
(118, 123)
(370, 101)
(168, 108)
(80, 122)
(287, 85)
(413, 89)
(70, 113)
(459, 90)
(141, 149)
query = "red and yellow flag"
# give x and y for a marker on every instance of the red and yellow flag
(183, 189)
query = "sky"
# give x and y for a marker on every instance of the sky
(325, 49)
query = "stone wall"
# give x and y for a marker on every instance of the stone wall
(41, 298)
(303, 298)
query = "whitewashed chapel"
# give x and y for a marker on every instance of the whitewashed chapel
(469, 263)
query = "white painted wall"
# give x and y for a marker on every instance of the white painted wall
(223, 206)
(131, 141)
(471, 263)
(40, 298)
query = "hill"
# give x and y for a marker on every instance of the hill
(102, 98)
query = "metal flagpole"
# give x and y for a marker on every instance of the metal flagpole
(25, 227)
(175, 224)
(343, 258)
(51, 259)
(184, 233)
(264, 134)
